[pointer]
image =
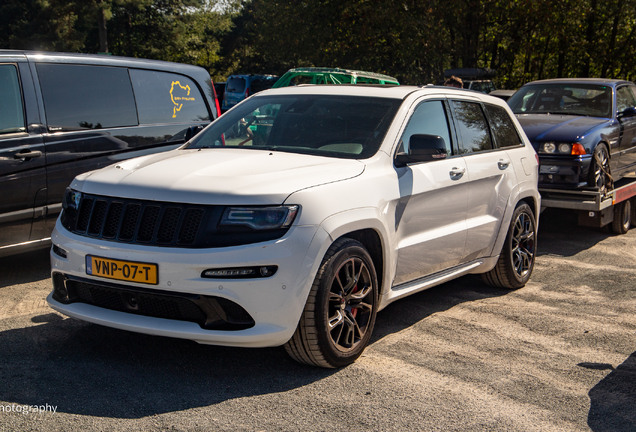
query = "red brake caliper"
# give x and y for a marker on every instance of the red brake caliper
(354, 311)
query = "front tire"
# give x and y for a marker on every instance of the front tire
(599, 176)
(516, 260)
(340, 312)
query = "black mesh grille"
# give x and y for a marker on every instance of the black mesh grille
(207, 311)
(112, 220)
(97, 218)
(84, 214)
(148, 304)
(127, 232)
(148, 223)
(168, 225)
(190, 226)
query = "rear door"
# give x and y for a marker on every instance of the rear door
(491, 178)
(431, 212)
(22, 159)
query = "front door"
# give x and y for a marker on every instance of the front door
(625, 99)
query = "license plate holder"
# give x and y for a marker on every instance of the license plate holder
(122, 270)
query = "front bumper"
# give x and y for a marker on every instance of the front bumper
(564, 172)
(274, 303)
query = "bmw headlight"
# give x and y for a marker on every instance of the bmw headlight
(259, 218)
(548, 147)
(556, 148)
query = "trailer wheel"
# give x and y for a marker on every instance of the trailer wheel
(633, 219)
(622, 217)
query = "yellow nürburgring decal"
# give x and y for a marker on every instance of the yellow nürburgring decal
(176, 100)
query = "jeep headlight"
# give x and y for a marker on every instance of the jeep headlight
(71, 199)
(259, 218)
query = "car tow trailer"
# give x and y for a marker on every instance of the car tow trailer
(596, 209)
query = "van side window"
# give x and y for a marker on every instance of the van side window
(11, 110)
(472, 127)
(167, 98)
(86, 97)
(428, 118)
(502, 127)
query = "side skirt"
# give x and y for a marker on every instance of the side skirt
(402, 290)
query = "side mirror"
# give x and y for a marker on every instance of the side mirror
(423, 148)
(192, 131)
(627, 112)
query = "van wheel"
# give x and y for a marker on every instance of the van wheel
(622, 217)
(516, 260)
(340, 312)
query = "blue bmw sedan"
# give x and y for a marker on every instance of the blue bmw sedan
(583, 129)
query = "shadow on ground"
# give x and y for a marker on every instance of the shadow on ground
(559, 234)
(25, 268)
(92, 370)
(613, 400)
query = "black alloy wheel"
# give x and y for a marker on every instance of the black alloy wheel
(340, 312)
(516, 261)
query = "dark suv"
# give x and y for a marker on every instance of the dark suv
(65, 114)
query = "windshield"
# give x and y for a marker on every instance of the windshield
(350, 127)
(574, 99)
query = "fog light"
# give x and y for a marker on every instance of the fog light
(548, 169)
(240, 272)
(59, 251)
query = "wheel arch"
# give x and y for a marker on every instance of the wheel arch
(372, 242)
(365, 226)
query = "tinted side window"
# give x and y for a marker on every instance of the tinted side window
(11, 111)
(429, 118)
(624, 99)
(86, 97)
(167, 98)
(502, 127)
(472, 127)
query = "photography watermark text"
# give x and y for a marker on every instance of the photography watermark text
(27, 409)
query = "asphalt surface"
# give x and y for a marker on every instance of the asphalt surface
(558, 354)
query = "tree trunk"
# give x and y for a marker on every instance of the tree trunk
(609, 56)
(101, 23)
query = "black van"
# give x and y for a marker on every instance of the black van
(65, 114)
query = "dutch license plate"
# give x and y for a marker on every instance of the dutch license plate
(122, 270)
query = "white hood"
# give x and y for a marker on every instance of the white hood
(217, 176)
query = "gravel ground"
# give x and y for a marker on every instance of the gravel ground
(558, 354)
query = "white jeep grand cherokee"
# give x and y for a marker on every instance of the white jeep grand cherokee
(298, 215)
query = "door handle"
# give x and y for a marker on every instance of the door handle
(27, 155)
(457, 173)
(503, 164)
